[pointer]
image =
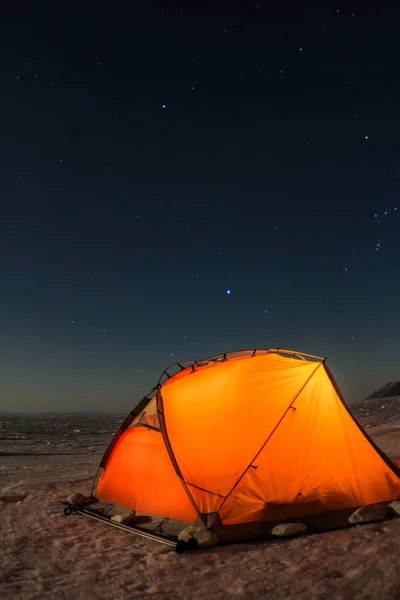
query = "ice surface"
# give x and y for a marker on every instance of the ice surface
(44, 554)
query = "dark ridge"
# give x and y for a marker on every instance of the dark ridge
(389, 390)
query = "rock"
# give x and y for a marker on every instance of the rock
(181, 547)
(129, 519)
(366, 514)
(395, 507)
(286, 529)
(77, 499)
(201, 535)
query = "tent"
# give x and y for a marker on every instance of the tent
(244, 441)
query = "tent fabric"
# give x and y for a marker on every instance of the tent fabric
(140, 476)
(252, 438)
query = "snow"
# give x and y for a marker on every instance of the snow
(45, 554)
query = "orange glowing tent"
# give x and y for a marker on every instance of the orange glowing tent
(243, 441)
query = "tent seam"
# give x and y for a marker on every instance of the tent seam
(164, 433)
(269, 436)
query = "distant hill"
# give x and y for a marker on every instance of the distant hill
(390, 390)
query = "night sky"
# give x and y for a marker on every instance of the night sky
(180, 179)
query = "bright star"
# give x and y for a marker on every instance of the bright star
(228, 292)
(163, 106)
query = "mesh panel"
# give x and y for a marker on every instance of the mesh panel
(148, 417)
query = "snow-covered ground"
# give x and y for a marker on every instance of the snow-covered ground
(44, 554)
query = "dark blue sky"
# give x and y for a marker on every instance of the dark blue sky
(154, 158)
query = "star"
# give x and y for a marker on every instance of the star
(155, 212)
